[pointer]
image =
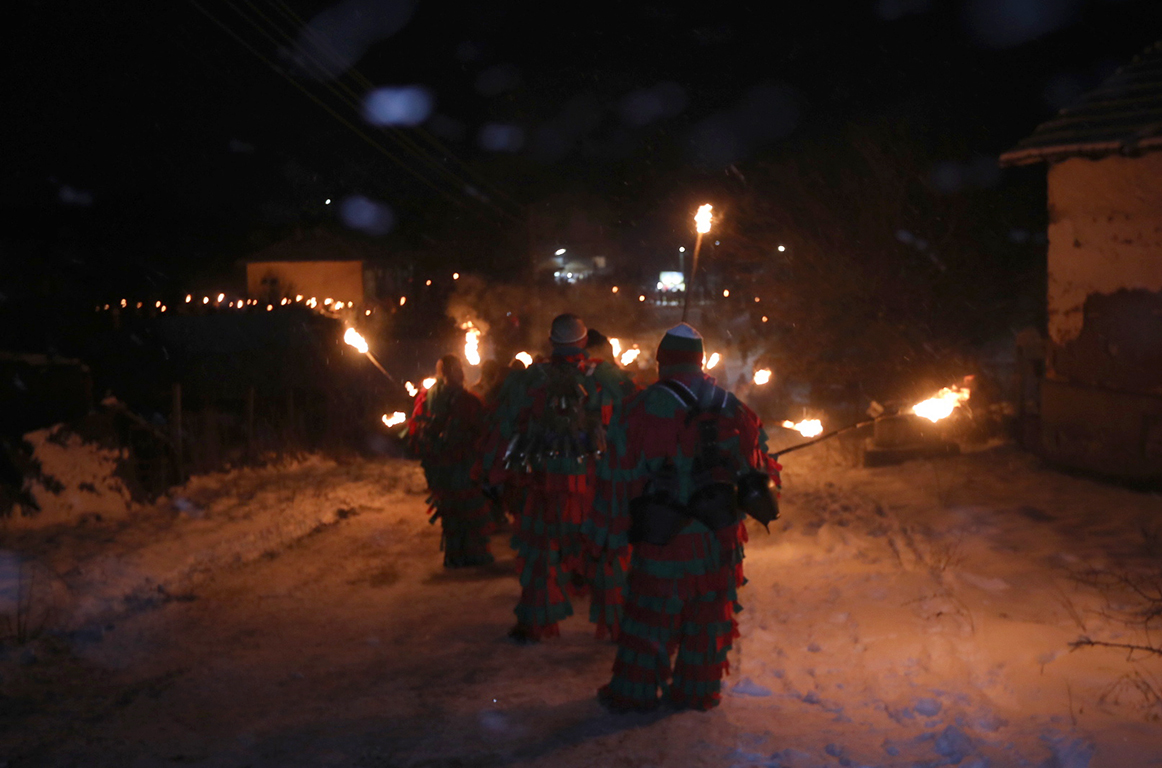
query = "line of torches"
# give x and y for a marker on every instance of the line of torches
(939, 406)
(221, 302)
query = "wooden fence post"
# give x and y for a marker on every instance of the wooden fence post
(176, 430)
(250, 423)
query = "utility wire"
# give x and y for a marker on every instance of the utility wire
(353, 100)
(326, 107)
(396, 133)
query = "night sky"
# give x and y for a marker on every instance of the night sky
(155, 142)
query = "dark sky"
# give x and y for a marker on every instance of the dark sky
(178, 135)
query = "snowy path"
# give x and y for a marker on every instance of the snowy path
(913, 615)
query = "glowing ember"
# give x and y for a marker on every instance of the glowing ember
(614, 289)
(455, 275)
(725, 293)
(762, 376)
(353, 338)
(429, 382)
(471, 343)
(411, 388)
(764, 318)
(428, 283)
(403, 300)
(396, 418)
(713, 361)
(189, 298)
(806, 427)
(941, 406)
(702, 218)
(630, 355)
(641, 297)
(525, 358)
(616, 344)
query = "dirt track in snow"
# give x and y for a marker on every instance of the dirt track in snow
(903, 616)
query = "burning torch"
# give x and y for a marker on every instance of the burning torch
(702, 225)
(355, 339)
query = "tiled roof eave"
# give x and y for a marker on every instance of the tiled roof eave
(1091, 149)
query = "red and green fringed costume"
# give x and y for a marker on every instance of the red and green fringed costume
(607, 567)
(682, 596)
(557, 486)
(444, 433)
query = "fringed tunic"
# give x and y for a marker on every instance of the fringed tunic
(557, 490)
(445, 432)
(682, 596)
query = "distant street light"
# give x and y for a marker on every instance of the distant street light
(702, 221)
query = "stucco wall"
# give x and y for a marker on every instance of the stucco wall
(1105, 234)
(339, 280)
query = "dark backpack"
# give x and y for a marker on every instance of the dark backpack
(657, 515)
(566, 428)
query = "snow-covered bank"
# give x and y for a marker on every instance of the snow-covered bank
(153, 553)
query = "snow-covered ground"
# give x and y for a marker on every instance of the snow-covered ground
(298, 616)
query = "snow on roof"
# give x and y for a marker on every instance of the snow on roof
(1123, 115)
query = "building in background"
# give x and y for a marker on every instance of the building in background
(323, 264)
(1101, 398)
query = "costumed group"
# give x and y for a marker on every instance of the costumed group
(635, 497)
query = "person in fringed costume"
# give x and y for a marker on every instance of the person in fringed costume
(444, 433)
(548, 431)
(606, 568)
(679, 444)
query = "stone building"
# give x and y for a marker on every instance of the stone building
(1101, 398)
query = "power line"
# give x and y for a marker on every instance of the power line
(326, 107)
(396, 133)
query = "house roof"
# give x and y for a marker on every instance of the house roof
(1123, 115)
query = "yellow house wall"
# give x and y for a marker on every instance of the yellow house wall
(338, 280)
(1105, 233)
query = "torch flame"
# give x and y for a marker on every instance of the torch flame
(353, 338)
(806, 427)
(525, 358)
(616, 344)
(411, 388)
(429, 382)
(713, 361)
(942, 404)
(702, 218)
(630, 355)
(762, 376)
(471, 343)
(396, 418)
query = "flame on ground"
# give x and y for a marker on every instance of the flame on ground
(762, 376)
(396, 418)
(471, 343)
(806, 427)
(630, 355)
(353, 338)
(525, 358)
(411, 388)
(942, 404)
(429, 382)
